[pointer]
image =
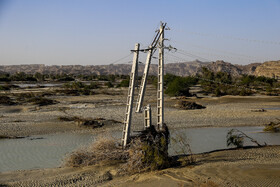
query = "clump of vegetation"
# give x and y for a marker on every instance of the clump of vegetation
(36, 99)
(5, 100)
(178, 86)
(146, 151)
(109, 84)
(41, 101)
(21, 76)
(183, 150)
(187, 105)
(149, 151)
(236, 138)
(4, 87)
(102, 151)
(11, 137)
(124, 83)
(7, 87)
(88, 122)
(68, 118)
(272, 127)
(222, 83)
(4, 137)
(79, 88)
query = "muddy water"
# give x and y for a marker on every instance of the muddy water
(39, 151)
(209, 139)
(48, 151)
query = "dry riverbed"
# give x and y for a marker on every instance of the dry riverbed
(227, 111)
(244, 167)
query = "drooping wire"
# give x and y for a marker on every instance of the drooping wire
(231, 54)
(116, 61)
(232, 37)
(183, 52)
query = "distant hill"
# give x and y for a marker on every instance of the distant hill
(269, 69)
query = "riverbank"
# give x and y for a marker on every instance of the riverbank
(237, 167)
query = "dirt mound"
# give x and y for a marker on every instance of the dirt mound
(187, 105)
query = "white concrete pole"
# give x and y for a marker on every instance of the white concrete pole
(140, 99)
(147, 117)
(131, 88)
(160, 90)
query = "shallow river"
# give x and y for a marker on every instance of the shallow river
(49, 151)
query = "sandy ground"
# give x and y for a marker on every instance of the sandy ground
(239, 167)
(221, 111)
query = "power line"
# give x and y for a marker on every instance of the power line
(183, 52)
(232, 38)
(241, 56)
(116, 61)
(221, 56)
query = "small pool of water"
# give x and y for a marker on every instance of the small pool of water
(49, 151)
(209, 139)
(36, 152)
(35, 85)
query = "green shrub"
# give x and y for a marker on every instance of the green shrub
(124, 83)
(272, 127)
(109, 84)
(4, 87)
(5, 100)
(178, 87)
(66, 79)
(76, 88)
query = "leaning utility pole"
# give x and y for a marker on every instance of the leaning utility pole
(131, 88)
(160, 101)
(157, 43)
(142, 89)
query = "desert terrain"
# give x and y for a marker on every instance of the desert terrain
(236, 167)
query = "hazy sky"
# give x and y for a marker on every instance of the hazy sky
(91, 32)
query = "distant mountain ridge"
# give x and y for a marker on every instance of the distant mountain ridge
(269, 69)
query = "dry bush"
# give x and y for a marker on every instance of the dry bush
(68, 118)
(184, 149)
(5, 100)
(187, 105)
(272, 127)
(236, 138)
(147, 151)
(145, 157)
(88, 122)
(102, 151)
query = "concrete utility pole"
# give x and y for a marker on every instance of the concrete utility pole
(140, 99)
(160, 100)
(129, 106)
(147, 117)
(157, 43)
